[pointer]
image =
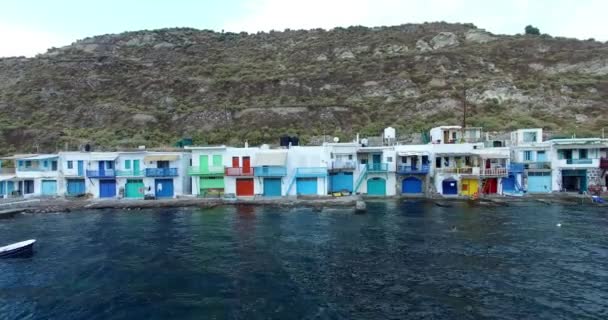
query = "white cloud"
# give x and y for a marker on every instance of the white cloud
(21, 41)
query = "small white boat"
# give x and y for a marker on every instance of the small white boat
(513, 194)
(18, 248)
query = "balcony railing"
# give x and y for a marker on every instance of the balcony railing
(270, 171)
(604, 163)
(343, 165)
(206, 171)
(161, 172)
(537, 165)
(493, 172)
(239, 171)
(129, 173)
(516, 167)
(579, 161)
(408, 169)
(454, 170)
(35, 169)
(311, 172)
(108, 173)
(377, 167)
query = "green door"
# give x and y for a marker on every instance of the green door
(203, 163)
(136, 167)
(217, 160)
(134, 189)
(376, 187)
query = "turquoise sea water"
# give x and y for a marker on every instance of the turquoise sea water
(400, 260)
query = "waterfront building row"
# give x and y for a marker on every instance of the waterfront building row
(456, 163)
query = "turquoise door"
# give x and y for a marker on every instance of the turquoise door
(538, 184)
(306, 186)
(411, 185)
(49, 187)
(272, 187)
(80, 168)
(75, 187)
(377, 158)
(376, 187)
(136, 168)
(342, 181)
(541, 156)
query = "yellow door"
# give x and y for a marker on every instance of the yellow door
(469, 187)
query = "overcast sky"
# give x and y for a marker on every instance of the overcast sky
(29, 27)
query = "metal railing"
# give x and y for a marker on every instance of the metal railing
(239, 171)
(161, 172)
(311, 172)
(455, 170)
(579, 161)
(537, 165)
(206, 171)
(377, 167)
(108, 173)
(7, 170)
(129, 173)
(406, 169)
(270, 171)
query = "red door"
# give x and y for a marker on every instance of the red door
(246, 165)
(488, 164)
(244, 187)
(235, 162)
(491, 186)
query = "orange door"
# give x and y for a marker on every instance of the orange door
(244, 187)
(235, 162)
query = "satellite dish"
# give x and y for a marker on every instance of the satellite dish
(336, 139)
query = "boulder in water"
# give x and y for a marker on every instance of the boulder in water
(360, 206)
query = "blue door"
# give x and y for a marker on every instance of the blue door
(377, 158)
(49, 187)
(306, 186)
(102, 168)
(342, 181)
(508, 184)
(450, 187)
(107, 188)
(164, 188)
(80, 168)
(272, 187)
(411, 185)
(75, 187)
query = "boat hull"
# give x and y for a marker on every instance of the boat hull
(24, 249)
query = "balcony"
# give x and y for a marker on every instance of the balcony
(537, 165)
(270, 171)
(129, 173)
(161, 172)
(406, 169)
(239, 171)
(377, 167)
(206, 171)
(461, 170)
(579, 161)
(108, 173)
(343, 165)
(604, 163)
(34, 169)
(516, 167)
(493, 172)
(311, 172)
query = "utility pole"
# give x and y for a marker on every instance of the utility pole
(464, 110)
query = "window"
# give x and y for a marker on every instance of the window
(54, 165)
(438, 162)
(350, 157)
(527, 155)
(582, 154)
(540, 156)
(70, 164)
(46, 163)
(389, 159)
(529, 136)
(425, 159)
(162, 164)
(28, 163)
(363, 161)
(403, 159)
(110, 164)
(127, 164)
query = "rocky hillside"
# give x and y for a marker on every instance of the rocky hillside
(153, 87)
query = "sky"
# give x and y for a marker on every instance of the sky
(30, 27)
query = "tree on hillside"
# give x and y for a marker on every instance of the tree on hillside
(532, 30)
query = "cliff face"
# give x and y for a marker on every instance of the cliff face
(153, 87)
